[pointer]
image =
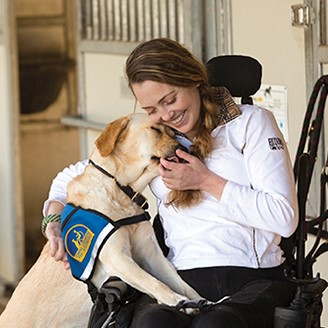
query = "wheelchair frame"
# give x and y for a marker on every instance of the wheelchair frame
(243, 81)
(307, 303)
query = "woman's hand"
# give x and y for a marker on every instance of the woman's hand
(193, 175)
(57, 250)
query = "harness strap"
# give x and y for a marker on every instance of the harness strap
(135, 196)
(132, 219)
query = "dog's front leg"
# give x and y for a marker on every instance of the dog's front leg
(116, 258)
(149, 256)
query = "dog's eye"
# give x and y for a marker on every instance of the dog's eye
(155, 158)
(156, 129)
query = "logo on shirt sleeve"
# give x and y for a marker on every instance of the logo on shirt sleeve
(276, 144)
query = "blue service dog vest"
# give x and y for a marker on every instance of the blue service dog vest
(84, 233)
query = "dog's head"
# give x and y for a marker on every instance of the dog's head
(130, 149)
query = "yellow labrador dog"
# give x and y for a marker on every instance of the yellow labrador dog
(127, 154)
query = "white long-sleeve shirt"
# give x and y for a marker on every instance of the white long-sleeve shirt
(257, 207)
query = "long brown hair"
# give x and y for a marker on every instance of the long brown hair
(166, 61)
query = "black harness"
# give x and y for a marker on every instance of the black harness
(135, 196)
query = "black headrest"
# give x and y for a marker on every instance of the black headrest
(241, 75)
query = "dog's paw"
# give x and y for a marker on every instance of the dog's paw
(205, 303)
(193, 307)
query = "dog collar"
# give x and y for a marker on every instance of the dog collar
(135, 196)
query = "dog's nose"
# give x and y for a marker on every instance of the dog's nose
(181, 147)
(176, 158)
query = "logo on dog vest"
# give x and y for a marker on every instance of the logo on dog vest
(77, 241)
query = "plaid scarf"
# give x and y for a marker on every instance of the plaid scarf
(229, 109)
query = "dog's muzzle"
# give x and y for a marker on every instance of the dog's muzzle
(176, 158)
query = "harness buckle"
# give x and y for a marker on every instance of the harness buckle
(136, 194)
(144, 204)
(142, 198)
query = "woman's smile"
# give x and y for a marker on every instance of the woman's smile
(179, 119)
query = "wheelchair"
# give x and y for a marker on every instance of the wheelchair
(241, 75)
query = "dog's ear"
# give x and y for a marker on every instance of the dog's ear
(107, 140)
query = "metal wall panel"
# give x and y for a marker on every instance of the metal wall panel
(217, 28)
(132, 20)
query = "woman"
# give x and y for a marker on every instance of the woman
(226, 243)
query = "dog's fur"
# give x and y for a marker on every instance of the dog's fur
(48, 296)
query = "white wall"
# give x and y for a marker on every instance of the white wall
(263, 30)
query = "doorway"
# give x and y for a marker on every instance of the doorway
(46, 33)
